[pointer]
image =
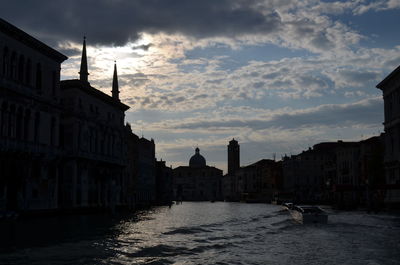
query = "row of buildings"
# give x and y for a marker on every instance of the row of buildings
(345, 174)
(64, 144)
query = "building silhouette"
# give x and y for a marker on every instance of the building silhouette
(141, 170)
(30, 117)
(346, 174)
(390, 87)
(92, 135)
(64, 144)
(164, 176)
(197, 182)
(233, 156)
(257, 182)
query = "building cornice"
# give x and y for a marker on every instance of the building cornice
(395, 73)
(87, 88)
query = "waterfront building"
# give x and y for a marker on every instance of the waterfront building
(93, 137)
(146, 178)
(372, 172)
(164, 189)
(310, 175)
(303, 175)
(260, 181)
(347, 182)
(347, 174)
(30, 116)
(197, 182)
(390, 87)
(141, 169)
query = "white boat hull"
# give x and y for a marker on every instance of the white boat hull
(309, 218)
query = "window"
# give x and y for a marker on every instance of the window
(37, 127)
(53, 131)
(19, 123)
(21, 64)
(26, 124)
(6, 61)
(53, 83)
(39, 77)
(13, 72)
(11, 122)
(28, 72)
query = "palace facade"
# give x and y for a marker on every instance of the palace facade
(30, 117)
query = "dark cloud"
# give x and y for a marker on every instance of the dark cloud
(201, 96)
(137, 79)
(144, 47)
(321, 42)
(70, 52)
(312, 81)
(271, 75)
(358, 77)
(215, 81)
(116, 22)
(258, 85)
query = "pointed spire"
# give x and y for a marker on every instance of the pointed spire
(115, 89)
(83, 73)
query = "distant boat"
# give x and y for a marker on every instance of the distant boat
(306, 214)
(287, 206)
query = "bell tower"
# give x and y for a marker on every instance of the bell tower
(233, 156)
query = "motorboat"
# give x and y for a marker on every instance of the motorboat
(287, 205)
(306, 214)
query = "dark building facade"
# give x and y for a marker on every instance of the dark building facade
(146, 178)
(259, 182)
(229, 180)
(346, 174)
(390, 87)
(233, 156)
(197, 182)
(93, 138)
(164, 191)
(30, 116)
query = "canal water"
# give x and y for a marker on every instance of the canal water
(203, 233)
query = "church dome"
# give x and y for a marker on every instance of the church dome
(197, 160)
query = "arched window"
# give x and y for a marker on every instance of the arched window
(13, 71)
(28, 72)
(6, 61)
(39, 77)
(53, 83)
(11, 122)
(19, 123)
(37, 127)
(21, 64)
(27, 119)
(4, 119)
(53, 131)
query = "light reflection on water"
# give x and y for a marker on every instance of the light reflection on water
(204, 233)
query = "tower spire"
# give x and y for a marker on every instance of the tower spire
(83, 73)
(115, 89)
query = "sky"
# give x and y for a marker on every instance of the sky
(279, 75)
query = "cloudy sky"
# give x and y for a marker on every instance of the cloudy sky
(278, 75)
